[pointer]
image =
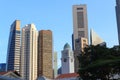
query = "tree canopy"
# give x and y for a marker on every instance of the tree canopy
(99, 62)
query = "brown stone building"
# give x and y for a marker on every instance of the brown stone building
(45, 67)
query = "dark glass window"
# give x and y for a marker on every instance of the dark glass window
(18, 32)
(77, 40)
(79, 8)
(65, 60)
(81, 34)
(80, 19)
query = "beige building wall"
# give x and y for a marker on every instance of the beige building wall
(94, 38)
(80, 22)
(28, 69)
(80, 30)
(45, 50)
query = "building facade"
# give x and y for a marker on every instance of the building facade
(28, 68)
(55, 68)
(80, 22)
(80, 30)
(13, 52)
(80, 44)
(118, 18)
(2, 67)
(95, 39)
(67, 60)
(45, 50)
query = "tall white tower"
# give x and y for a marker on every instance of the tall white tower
(28, 68)
(67, 60)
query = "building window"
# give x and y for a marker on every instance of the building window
(65, 60)
(18, 32)
(79, 8)
(71, 60)
(77, 40)
(84, 40)
(84, 45)
(80, 19)
(81, 34)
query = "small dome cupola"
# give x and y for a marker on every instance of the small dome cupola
(67, 46)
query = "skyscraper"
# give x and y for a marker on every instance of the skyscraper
(28, 68)
(13, 52)
(118, 18)
(45, 51)
(80, 23)
(67, 59)
(80, 31)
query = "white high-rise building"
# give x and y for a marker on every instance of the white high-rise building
(67, 60)
(28, 69)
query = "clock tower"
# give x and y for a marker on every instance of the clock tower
(67, 59)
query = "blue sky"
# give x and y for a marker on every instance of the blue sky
(56, 15)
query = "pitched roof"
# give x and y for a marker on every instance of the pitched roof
(15, 72)
(69, 75)
(2, 73)
(10, 75)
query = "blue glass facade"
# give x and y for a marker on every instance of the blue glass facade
(2, 67)
(13, 54)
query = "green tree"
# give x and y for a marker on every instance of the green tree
(99, 62)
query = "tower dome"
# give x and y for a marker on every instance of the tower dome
(67, 46)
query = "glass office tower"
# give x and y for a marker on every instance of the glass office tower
(13, 52)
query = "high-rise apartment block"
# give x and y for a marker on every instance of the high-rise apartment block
(67, 60)
(80, 31)
(118, 18)
(45, 50)
(28, 68)
(13, 52)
